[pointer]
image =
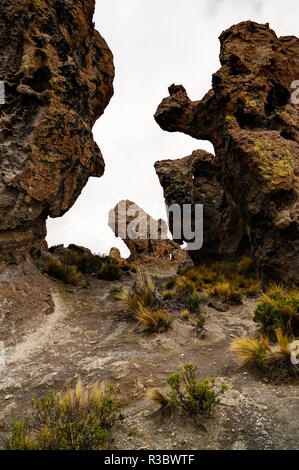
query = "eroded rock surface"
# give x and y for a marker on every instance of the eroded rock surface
(145, 237)
(251, 120)
(193, 180)
(58, 73)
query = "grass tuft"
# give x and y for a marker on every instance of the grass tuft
(259, 353)
(77, 419)
(66, 273)
(278, 308)
(153, 321)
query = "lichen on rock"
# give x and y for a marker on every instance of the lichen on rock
(58, 74)
(252, 122)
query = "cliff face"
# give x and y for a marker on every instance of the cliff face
(58, 73)
(251, 120)
(193, 180)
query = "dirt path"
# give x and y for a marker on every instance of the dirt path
(36, 341)
(89, 335)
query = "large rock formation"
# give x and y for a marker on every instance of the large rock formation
(145, 237)
(58, 73)
(192, 180)
(251, 120)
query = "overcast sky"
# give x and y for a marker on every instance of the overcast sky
(155, 43)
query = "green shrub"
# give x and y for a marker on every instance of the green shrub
(188, 393)
(200, 322)
(75, 420)
(278, 309)
(110, 272)
(86, 263)
(193, 301)
(125, 266)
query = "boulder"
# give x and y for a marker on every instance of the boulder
(145, 237)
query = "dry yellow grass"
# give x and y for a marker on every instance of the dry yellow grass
(185, 285)
(221, 279)
(253, 287)
(185, 314)
(141, 294)
(245, 265)
(227, 291)
(258, 352)
(158, 397)
(153, 321)
(246, 349)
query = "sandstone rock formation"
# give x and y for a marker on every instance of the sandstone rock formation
(251, 120)
(192, 180)
(58, 73)
(145, 237)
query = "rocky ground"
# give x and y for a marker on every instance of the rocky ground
(90, 336)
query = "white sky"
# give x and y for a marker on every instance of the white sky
(155, 43)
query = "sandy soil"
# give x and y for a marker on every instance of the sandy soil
(90, 336)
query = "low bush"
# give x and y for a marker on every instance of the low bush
(184, 286)
(86, 263)
(193, 301)
(259, 353)
(200, 322)
(77, 419)
(188, 393)
(66, 273)
(278, 308)
(169, 284)
(110, 272)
